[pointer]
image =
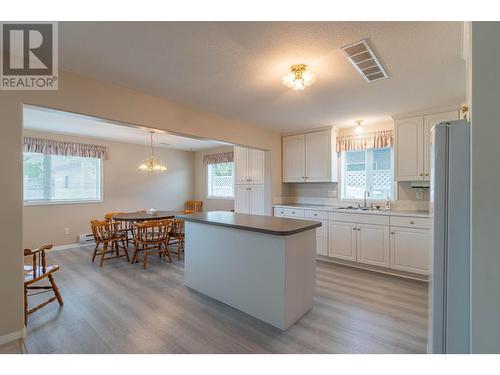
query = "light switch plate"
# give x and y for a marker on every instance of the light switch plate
(67, 231)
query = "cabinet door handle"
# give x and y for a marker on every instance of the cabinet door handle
(421, 174)
(393, 233)
(315, 214)
(353, 228)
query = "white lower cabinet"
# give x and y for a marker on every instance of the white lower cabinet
(410, 250)
(249, 199)
(322, 246)
(342, 238)
(401, 243)
(321, 232)
(372, 244)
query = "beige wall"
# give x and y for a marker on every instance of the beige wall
(109, 101)
(124, 189)
(200, 181)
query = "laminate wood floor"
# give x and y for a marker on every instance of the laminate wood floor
(122, 308)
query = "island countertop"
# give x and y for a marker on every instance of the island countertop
(256, 223)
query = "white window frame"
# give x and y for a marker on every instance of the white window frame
(342, 177)
(79, 201)
(207, 179)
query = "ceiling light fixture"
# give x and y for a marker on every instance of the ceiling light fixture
(359, 128)
(152, 164)
(298, 78)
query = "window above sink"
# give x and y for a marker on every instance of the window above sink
(367, 170)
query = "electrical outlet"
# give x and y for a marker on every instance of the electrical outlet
(332, 193)
(420, 195)
(67, 231)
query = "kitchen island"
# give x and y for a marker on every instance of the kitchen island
(261, 265)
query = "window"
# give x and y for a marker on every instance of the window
(369, 170)
(57, 178)
(220, 180)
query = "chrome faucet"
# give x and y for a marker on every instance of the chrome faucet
(367, 193)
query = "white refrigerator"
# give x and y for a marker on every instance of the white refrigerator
(450, 200)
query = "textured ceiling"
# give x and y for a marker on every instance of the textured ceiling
(234, 68)
(59, 122)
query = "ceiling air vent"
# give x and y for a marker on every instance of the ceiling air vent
(364, 60)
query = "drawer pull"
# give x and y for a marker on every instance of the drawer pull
(315, 214)
(393, 233)
(412, 222)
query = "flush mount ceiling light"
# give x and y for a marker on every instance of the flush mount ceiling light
(298, 78)
(152, 164)
(359, 128)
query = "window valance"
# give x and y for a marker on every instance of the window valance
(378, 139)
(223, 157)
(51, 147)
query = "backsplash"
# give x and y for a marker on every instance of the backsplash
(396, 205)
(321, 190)
(314, 190)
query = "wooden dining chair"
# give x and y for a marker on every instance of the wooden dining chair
(151, 237)
(176, 236)
(110, 238)
(125, 227)
(35, 272)
(190, 207)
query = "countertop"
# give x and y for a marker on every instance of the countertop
(256, 223)
(328, 208)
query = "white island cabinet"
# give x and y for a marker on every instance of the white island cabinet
(261, 265)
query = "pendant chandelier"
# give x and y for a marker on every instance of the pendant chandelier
(298, 78)
(152, 164)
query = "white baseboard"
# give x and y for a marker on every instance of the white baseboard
(21, 334)
(71, 246)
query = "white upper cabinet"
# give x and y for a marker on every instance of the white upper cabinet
(429, 122)
(255, 166)
(310, 157)
(240, 165)
(409, 149)
(294, 158)
(318, 157)
(412, 145)
(249, 166)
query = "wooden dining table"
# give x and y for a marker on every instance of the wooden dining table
(144, 216)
